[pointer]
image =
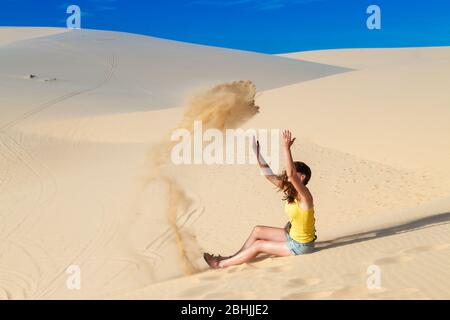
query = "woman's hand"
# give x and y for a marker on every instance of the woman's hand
(287, 139)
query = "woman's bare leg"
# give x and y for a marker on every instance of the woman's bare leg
(263, 233)
(278, 248)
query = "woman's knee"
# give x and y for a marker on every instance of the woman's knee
(258, 245)
(258, 230)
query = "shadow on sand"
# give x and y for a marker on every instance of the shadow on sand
(421, 223)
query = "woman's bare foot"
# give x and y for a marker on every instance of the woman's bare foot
(213, 261)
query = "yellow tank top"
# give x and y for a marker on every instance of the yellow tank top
(302, 222)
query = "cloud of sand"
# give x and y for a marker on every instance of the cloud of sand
(224, 106)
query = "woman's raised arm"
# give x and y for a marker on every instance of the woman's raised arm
(290, 168)
(268, 173)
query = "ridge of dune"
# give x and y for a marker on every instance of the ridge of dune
(370, 58)
(72, 69)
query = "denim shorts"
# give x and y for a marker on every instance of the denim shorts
(297, 247)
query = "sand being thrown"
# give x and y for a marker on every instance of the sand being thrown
(222, 107)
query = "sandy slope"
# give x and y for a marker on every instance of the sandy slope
(74, 165)
(413, 258)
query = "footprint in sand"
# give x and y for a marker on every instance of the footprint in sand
(354, 276)
(237, 268)
(302, 282)
(426, 248)
(278, 269)
(404, 255)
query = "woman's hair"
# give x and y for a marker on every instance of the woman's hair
(290, 194)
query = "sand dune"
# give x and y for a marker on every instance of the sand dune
(75, 143)
(413, 258)
(14, 34)
(89, 65)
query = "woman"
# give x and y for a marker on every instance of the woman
(299, 234)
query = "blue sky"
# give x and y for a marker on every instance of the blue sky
(269, 26)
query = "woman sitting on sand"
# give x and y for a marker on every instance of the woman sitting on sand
(299, 234)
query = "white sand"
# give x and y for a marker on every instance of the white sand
(14, 34)
(74, 167)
